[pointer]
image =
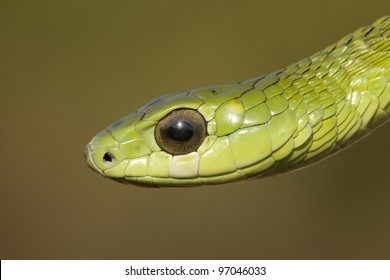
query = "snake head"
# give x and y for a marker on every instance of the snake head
(206, 136)
(154, 146)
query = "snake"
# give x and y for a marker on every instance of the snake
(261, 127)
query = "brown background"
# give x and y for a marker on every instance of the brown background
(70, 68)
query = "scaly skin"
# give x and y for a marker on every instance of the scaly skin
(264, 126)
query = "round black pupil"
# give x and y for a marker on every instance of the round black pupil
(180, 131)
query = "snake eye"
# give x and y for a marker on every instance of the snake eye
(181, 131)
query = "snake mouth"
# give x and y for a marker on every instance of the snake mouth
(89, 160)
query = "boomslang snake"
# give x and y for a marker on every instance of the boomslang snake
(264, 126)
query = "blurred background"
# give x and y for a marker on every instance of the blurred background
(70, 68)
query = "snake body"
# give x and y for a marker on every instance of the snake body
(263, 126)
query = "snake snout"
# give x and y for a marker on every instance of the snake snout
(104, 156)
(89, 160)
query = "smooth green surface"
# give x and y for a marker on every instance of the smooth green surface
(297, 115)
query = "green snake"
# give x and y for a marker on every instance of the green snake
(261, 127)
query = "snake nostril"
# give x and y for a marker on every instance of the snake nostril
(108, 158)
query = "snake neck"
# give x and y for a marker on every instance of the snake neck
(339, 95)
(364, 56)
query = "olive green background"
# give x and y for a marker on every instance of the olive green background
(70, 68)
